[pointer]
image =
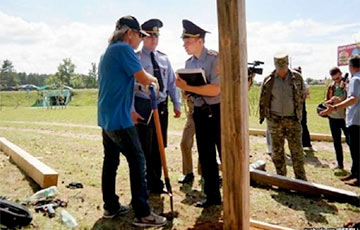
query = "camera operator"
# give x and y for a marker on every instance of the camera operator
(252, 71)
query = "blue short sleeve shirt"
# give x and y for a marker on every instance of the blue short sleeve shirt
(353, 111)
(116, 86)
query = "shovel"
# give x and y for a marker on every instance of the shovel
(159, 135)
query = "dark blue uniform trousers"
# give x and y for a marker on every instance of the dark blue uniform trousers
(208, 139)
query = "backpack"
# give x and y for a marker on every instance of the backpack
(14, 215)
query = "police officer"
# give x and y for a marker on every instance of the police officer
(158, 64)
(281, 100)
(206, 109)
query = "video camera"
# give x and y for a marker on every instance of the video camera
(252, 68)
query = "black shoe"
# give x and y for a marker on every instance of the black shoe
(189, 178)
(339, 167)
(158, 191)
(348, 177)
(207, 203)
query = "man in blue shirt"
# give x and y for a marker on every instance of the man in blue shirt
(158, 64)
(206, 109)
(118, 69)
(352, 105)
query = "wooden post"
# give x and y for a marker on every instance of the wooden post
(38, 171)
(234, 113)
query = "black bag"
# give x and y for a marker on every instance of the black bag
(14, 215)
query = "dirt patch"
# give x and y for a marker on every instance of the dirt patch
(55, 133)
(77, 156)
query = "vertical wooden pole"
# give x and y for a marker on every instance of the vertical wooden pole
(234, 113)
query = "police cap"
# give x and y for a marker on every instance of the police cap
(190, 30)
(152, 26)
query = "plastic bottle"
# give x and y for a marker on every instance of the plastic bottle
(68, 219)
(44, 193)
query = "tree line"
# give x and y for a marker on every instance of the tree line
(10, 79)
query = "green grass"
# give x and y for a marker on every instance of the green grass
(82, 109)
(69, 141)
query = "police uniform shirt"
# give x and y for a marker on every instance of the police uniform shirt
(282, 100)
(167, 75)
(207, 61)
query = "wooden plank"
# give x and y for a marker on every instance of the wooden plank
(304, 187)
(38, 171)
(234, 113)
(313, 136)
(266, 226)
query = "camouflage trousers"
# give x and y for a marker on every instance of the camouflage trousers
(187, 141)
(288, 128)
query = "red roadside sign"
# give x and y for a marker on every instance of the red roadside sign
(346, 51)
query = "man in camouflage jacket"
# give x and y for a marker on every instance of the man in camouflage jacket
(281, 101)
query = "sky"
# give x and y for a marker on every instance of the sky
(37, 35)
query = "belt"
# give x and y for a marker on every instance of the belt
(274, 116)
(145, 99)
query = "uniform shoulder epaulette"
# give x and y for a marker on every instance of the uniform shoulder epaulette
(161, 52)
(212, 53)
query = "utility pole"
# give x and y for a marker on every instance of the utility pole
(234, 113)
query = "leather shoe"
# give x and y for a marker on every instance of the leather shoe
(189, 178)
(207, 203)
(339, 167)
(158, 191)
(348, 177)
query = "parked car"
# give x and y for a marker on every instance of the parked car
(28, 87)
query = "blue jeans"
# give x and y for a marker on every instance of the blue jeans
(127, 142)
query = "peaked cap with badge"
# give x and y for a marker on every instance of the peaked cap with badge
(190, 30)
(152, 26)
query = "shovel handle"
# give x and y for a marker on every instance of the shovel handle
(158, 130)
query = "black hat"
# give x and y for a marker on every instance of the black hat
(192, 31)
(131, 22)
(152, 26)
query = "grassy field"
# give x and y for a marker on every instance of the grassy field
(69, 141)
(86, 101)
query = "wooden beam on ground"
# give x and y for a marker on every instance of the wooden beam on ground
(304, 187)
(266, 226)
(313, 136)
(38, 171)
(234, 113)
